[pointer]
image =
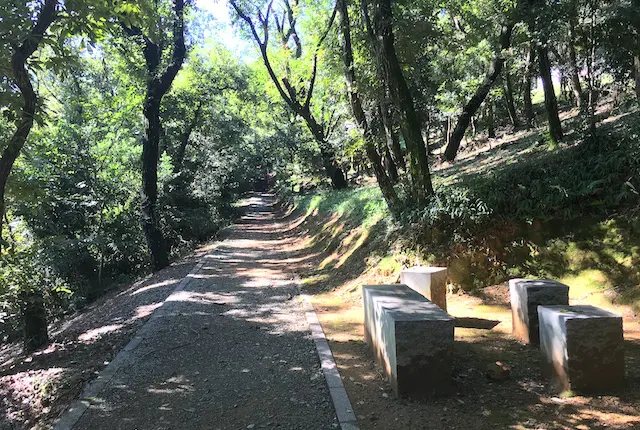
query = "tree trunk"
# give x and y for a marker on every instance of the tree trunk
(331, 167)
(24, 122)
(393, 141)
(511, 105)
(390, 165)
(555, 127)
(184, 141)
(564, 93)
(401, 96)
(573, 66)
(34, 320)
(157, 86)
(636, 64)
(385, 184)
(491, 122)
(529, 114)
(481, 93)
(333, 170)
(149, 212)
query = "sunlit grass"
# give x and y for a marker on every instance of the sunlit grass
(364, 204)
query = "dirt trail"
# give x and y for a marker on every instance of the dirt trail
(232, 350)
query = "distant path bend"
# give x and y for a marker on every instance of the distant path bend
(230, 349)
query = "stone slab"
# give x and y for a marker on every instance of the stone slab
(411, 339)
(431, 282)
(344, 410)
(582, 347)
(526, 295)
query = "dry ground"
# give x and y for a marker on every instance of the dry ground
(332, 259)
(35, 388)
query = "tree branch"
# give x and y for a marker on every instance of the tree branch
(314, 68)
(263, 51)
(179, 48)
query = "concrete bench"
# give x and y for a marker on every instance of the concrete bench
(411, 339)
(582, 347)
(431, 282)
(526, 295)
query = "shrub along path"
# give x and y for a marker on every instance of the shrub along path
(230, 350)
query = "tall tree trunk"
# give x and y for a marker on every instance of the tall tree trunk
(550, 102)
(481, 93)
(34, 316)
(149, 211)
(401, 96)
(385, 184)
(511, 104)
(636, 64)
(24, 122)
(529, 114)
(573, 66)
(157, 86)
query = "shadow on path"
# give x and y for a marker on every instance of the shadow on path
(231, 350)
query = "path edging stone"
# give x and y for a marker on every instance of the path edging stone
(342, 405)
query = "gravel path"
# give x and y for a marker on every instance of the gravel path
(232, 350)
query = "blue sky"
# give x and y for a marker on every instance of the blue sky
(224, 31)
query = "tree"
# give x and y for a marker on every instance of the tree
(481, 93)
(369, 135)
(573, 63)
(158, 82)
(298, 99)
(23, 49)
(550, 102)
(384, 49)
(529, 114)
(26, 27)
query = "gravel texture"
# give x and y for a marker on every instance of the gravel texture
(230, 351)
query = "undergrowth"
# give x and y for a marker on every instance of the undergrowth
(569, 213)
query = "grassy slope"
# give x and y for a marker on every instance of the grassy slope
(350, 241)
(544, 222)
(358, 243)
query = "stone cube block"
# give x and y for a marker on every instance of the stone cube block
(526, 295)
(411, 339)
(582, 347)
(431, 282)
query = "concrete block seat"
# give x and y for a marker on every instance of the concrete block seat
(526, 295)
(431, 282)
(411, 339)
(582, 347)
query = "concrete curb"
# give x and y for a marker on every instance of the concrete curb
(72, 415)
(341, 402)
